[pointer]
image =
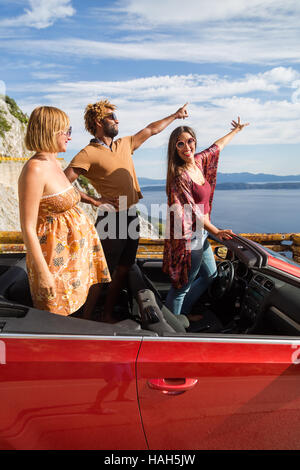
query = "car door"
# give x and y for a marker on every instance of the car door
(220, 392)
(69, 392)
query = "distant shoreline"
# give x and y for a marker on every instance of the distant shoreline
(236, 186)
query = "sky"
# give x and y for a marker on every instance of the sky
(226, 58)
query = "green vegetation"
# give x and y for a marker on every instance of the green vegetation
(156, 223)
(161, 229)
(84, 182)
(4, 124)
(15, 110)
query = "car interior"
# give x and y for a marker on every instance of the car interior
(246, 298)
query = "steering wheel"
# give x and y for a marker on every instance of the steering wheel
(223, 281)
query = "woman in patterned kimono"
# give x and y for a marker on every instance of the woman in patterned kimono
(191, 180)
(65, 261)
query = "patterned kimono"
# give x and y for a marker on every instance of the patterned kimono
(177, 252)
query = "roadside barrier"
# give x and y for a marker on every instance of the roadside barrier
(286, 243)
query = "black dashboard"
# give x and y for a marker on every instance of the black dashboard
(257, 293)
(267, 304)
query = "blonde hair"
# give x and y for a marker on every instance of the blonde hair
(96, 112)
(43, 125)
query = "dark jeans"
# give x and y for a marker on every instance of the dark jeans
(119, 235)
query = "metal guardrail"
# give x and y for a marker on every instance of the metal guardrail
(288, 243)
(7, 158)
(12, 242)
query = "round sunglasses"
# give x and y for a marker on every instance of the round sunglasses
(180, 144)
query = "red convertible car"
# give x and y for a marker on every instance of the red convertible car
(231, 380)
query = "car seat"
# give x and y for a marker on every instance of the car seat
(153, 314)
(209, 322)
(14, 284)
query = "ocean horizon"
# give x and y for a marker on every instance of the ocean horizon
(243, 211)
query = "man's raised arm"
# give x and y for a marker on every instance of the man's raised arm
(158, 126)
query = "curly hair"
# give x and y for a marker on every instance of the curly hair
(96, 112)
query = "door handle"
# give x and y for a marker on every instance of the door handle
(172, 385)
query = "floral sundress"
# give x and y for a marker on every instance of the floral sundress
(72, 250)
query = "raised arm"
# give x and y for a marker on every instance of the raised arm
(31, 187)
(236, 127)
(158, 126)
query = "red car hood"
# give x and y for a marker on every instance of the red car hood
(277, 263)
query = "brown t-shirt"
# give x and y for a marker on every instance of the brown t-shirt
(111, 172)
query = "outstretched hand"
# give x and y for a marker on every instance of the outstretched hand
(225, 234)
(106, 203)
(238, 126)
(182, 113)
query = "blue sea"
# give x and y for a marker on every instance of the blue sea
(243, 211)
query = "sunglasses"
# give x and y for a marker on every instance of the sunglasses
(180, 144)
(67, 133)
(112, 116)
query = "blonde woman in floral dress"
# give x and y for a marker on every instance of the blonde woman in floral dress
(65, 261)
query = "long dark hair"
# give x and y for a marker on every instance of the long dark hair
(174, 161)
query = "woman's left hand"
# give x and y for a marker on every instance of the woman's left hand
(237, 126)
(224, 234)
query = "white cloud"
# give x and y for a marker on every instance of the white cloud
(207, 31)
(215, 46)
(281, 75)
(40, 75)
(174, 12)
(296, 94)
(262, 32)
(173, 89)
(265, 100)
(211, 31)
(41, 14)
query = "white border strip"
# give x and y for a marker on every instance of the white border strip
(178, 339)
(57, 194)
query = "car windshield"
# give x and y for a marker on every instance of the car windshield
(282, 257)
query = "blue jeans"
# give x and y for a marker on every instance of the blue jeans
(181, 301)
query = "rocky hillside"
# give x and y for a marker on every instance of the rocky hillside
(13, 155)
(12, 129)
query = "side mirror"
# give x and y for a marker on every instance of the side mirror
(221, 252)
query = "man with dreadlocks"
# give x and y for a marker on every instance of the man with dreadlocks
(108, 165)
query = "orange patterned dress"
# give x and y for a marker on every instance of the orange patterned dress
(73, 252)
